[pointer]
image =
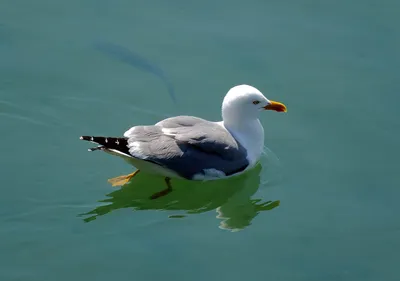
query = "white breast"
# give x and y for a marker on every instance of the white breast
(251, 136)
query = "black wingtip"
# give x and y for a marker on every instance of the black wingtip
(117, 143)
(86, 138)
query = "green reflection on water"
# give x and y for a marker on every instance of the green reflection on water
(230, 198)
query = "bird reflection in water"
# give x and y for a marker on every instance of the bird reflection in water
(230, 198)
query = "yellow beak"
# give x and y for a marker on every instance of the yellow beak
(277, 106)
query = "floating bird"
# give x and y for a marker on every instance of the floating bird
(193, 148)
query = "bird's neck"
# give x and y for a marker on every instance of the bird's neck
(250, 134)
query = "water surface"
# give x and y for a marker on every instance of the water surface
(325, 208)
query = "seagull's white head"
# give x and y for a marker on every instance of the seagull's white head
(244, 102)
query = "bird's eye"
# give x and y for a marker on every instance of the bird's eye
(256, 102)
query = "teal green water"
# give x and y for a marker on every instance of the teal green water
(322, 206)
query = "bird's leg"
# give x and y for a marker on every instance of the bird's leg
(121, 180)
(163, 192)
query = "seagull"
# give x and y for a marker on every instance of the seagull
(192, 148)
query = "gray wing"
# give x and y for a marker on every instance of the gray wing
(188, 145)
(182, 121)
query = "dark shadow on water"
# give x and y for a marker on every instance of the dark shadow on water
(230, 198)
(136, 60)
